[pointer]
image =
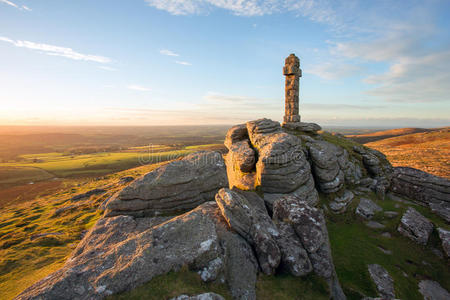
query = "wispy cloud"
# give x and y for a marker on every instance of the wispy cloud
(139, 88)
(168, 52)
(56, 50)
(106, 68)
(185, 63)
(333, 70)
(23, 7)
(316, 10)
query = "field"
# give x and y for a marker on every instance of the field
(37, 161)
(428, 151)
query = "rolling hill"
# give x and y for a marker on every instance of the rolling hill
(424, 149)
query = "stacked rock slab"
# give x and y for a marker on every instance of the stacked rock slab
(378, 168)
(240, 159)
(282, 167)
(175, 187)
(293, 73)
(327, 171)
(431, 190)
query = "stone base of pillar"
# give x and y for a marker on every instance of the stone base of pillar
(289, 119)
(302, 126)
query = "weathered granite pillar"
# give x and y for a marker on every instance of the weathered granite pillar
(293, 73)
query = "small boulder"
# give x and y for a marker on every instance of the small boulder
(339, 204)
(415, 226)
(204, 296)
(367, 208)
(383, 281)
(374, 225)
(432, 290)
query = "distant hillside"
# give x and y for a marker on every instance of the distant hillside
(428, 150)
(385, 134)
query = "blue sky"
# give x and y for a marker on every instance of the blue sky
(155, 62)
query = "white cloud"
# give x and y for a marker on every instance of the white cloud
(23, 7)
(106, 68)
(316, 10)
(168, 52)
(10, 3)
(56, 50)
(333, 70)
(139, 88)
(185, 63)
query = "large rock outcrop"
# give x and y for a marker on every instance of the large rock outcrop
(175, 187)
(431, 190)
(280, 165)
(122, 252)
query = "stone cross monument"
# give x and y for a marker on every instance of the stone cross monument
(293, 73)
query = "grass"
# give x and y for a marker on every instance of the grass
(354, 246)
(173, 284)
(284, 286)
(22, 174)
(97, 163)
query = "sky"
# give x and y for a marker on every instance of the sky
(174, 62)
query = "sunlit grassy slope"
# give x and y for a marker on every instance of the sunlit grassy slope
(26, 257)
(428, 151)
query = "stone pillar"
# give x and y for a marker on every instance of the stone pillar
(293, 73)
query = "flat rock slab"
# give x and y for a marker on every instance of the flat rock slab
(374, 225)
(383, 281)
(367, 208)
(415, 226)
(432, 290)
(302, 126)
(390, 214)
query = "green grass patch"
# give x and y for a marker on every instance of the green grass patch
(284, 286)
(173, 284)
(355, 246)
(88, 164)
